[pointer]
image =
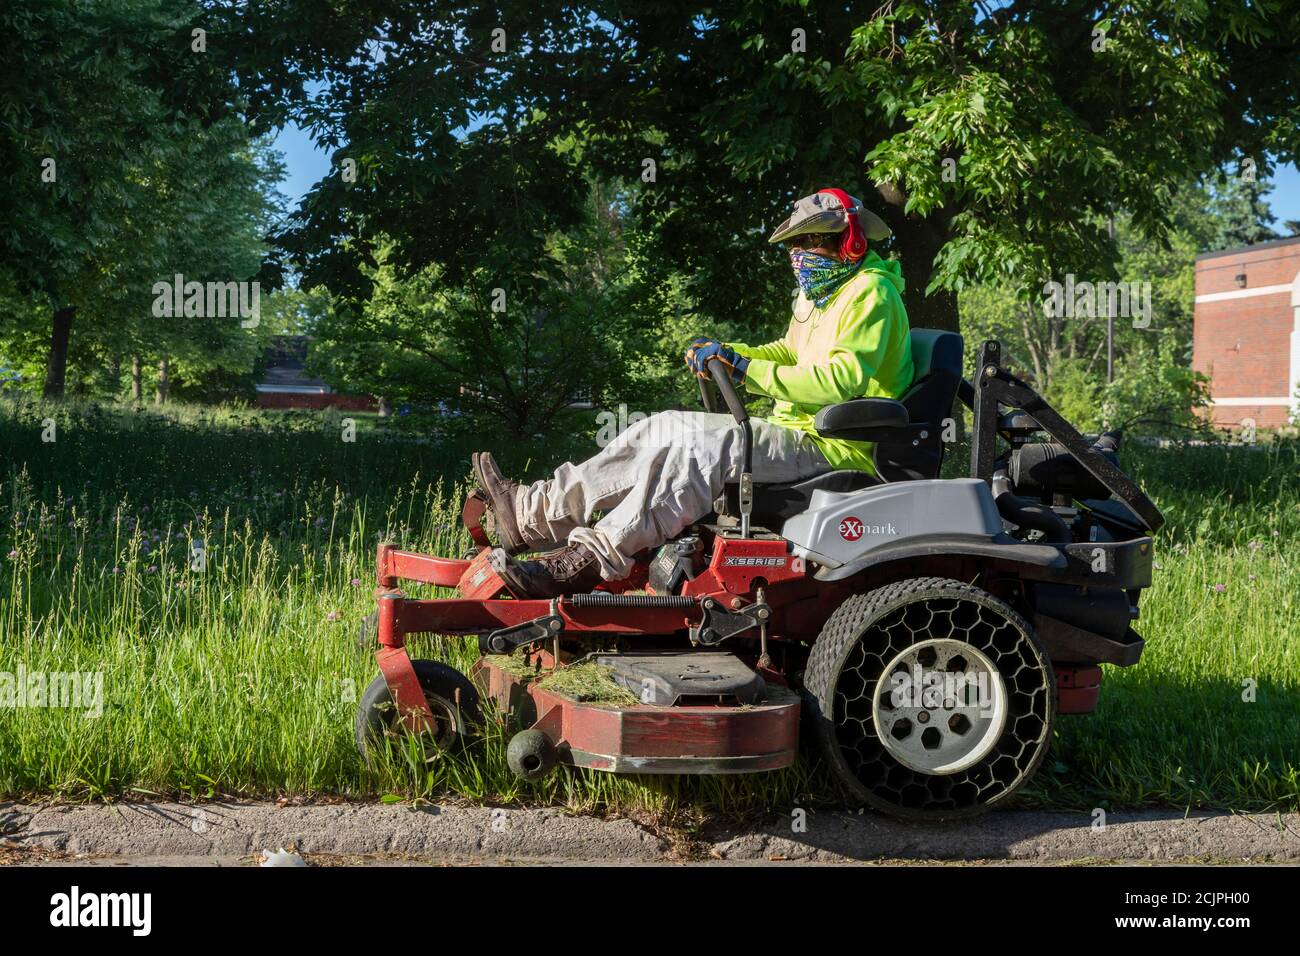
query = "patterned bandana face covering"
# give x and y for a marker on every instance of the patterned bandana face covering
(819, 276)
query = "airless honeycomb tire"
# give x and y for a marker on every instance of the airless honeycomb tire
(931, 699)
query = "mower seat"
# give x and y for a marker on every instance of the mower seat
(907, 433)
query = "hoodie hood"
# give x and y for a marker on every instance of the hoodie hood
(888, 269)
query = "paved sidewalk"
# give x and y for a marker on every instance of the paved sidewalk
(234, 833)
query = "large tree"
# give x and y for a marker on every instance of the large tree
(997, 139)
(122, 161)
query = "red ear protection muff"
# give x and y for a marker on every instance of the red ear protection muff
(853, 244)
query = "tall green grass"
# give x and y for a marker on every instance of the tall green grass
(242, 678)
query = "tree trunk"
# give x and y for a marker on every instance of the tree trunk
(918, 242)
(384, 410)
(56, 368)
(137, 391)
(160, 396)
(917, 247)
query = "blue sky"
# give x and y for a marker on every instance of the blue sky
(307, 164)
(1285, 198)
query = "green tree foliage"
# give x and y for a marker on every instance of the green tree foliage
(1065, 356)
(516, 354)
(996, 138)
(1239, 212)
(614, 168)
(123, 163)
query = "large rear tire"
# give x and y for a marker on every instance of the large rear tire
(930, 698)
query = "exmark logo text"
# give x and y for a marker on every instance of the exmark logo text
(851, 528)
(74, 908)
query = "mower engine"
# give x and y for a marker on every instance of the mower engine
(676, 563)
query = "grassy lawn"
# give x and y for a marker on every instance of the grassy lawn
(242, 679)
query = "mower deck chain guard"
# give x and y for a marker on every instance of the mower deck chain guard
(506, 639)
(717, 623)
(650, 738)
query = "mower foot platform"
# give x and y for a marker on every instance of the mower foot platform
(694, 734)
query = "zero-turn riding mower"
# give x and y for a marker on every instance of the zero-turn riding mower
(929, 630)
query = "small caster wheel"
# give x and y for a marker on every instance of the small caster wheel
(452, 698)
(531, 754)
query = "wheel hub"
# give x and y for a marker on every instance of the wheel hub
(939, 706)
(442, 726)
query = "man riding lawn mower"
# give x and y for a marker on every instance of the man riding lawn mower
(848, 339)
(933, 628)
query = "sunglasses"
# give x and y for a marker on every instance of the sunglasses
(813, 240)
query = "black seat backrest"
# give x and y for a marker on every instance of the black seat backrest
(937, 366)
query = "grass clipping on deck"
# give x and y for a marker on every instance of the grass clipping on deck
(593, 683)
(512, 664)
(588, 682)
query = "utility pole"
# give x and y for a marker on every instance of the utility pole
(1110, 318)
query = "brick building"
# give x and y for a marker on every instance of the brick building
(285, 384)
(1247, 331)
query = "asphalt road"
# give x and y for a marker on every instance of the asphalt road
(236, 833)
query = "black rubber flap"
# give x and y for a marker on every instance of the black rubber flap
(668, 679)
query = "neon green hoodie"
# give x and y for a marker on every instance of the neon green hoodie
(854, 346)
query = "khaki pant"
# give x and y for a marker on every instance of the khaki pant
(653, 480)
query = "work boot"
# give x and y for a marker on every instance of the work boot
(568, 570)
(500, 492)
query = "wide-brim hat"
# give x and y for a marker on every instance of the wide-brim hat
(823, 212)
